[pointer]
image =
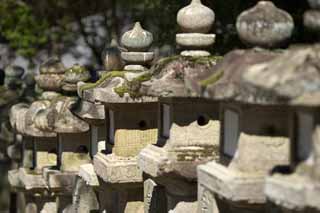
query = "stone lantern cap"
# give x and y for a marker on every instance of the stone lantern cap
(61, 119)
(51, 75)
(292, 78)
(226, 81)
(30, 120)
(117, 87)
(92, 113)
(265, 25)
(179, 76)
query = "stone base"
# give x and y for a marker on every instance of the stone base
(14, 180)
(84, 198)
(182, 161)
(121, 198)
(88, 174)
(135, 68)
(293, 192)
(32, 180)
(232, 185)
(114, 170)
(60, 182)
(195, 53)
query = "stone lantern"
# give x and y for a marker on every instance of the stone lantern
(38, 141)
(251, 123)
(295, 81)
(170, 164)
(131, 122)
(73, 138)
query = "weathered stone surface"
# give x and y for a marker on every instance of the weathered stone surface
(76, 73)
(93, 113)
(58, 181)
(315, 4)
(298, 190)
(265, 25)
(87, 173)
(243, 179)
(84, 198)
(137, 39)
(71, 161)
(61, 119)
(178, 76)
(32, 180)
(137, 57)
(112, 58)
(226, 81)
(115, 169)
(195, 18)
(311, 20)
(195, 40)
(15, 181)
(289, 78)
(154, 197)
(250, 160)
(195, 53)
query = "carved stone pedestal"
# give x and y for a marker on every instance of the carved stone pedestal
(84, 198)
(121, 187)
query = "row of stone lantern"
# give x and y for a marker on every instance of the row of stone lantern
(194, 133)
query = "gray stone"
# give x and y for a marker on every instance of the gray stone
(137, 39)
(195, 53)
(265, 25)
(195, 18)
(315, 4)
(135, 68)
(87, 173)
(137, 57)
(311, 20)
(114, 169)
(195, 40)
(291, 78)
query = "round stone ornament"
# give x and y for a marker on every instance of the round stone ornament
(76, 73)
(195, 18)
(265, 25)
(52, 66)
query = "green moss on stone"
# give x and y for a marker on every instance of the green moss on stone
(103, 78)
(77, 69)
(212, 79)
(132, 87)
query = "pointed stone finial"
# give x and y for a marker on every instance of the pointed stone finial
(265, 25)
(195, 18)
(137, 39)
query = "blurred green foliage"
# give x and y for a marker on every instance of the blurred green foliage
(24, 32)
